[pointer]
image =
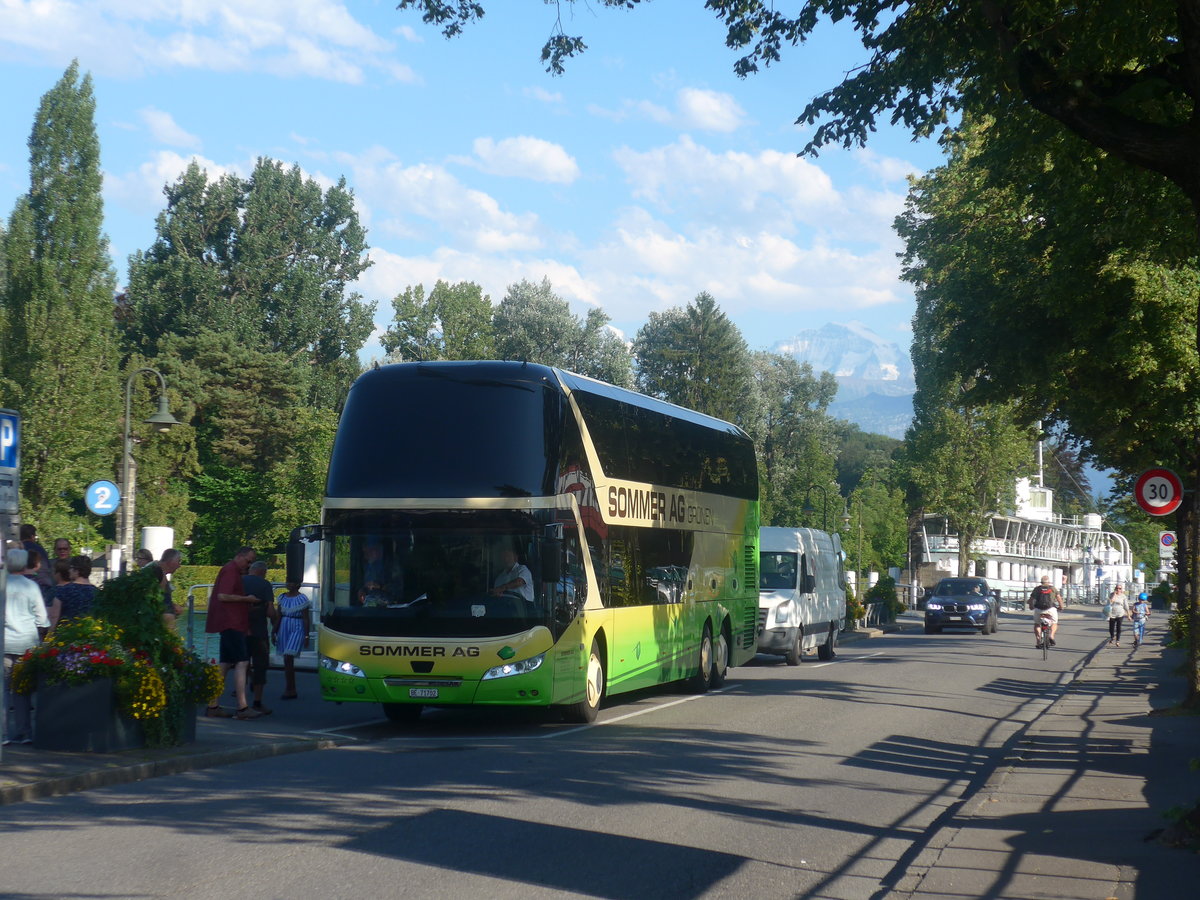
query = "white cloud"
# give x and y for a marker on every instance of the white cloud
(166, 130)
(315, 38)
(695, 110)
(886, 168)
(525, 157)
(542, 95)
(709, 110)
(772, 189)
(423, 199)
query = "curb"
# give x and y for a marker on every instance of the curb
(83, 781)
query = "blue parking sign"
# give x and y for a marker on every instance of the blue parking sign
(10, 440)
(102, 498)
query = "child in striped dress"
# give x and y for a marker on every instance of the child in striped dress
(295, 622)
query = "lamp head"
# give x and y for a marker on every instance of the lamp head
(162, 420)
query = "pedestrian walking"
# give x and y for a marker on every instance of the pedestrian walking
(258, 638)
(167, 565)
(1139, 613)
(1118, 612)
(295, 623)
(228, 616)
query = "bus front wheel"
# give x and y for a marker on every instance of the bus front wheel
(402, 713)
(586, 709)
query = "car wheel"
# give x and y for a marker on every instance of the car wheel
(792, 657)
(828, 650)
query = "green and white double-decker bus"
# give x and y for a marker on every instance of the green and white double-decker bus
(509, 534)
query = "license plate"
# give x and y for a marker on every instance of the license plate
(423, 693)
(953, 618)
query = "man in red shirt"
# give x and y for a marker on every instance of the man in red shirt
(229, 616)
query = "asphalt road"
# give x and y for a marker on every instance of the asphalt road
(823, 780)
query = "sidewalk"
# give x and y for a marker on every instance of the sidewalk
(1077, 808)
(307, 723)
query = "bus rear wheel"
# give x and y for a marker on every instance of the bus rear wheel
(585, 710)
(720, 659)
(402, 713)
(702, 680)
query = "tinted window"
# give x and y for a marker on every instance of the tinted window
(776, 571)
(658, 445)
(449, 430)
(957, 587)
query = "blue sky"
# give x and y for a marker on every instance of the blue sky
(646, 174)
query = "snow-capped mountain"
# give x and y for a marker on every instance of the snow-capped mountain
(875, 376)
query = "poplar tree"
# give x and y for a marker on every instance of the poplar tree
(60, 363)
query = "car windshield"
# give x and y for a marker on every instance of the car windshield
(958, 587)
(776, 571)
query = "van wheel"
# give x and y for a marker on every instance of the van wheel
(720, 667)
(586, 709)
(402, 713)
(702, 680)
(792, 657)
(828, 650)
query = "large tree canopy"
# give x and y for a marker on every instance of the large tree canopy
(60, 358)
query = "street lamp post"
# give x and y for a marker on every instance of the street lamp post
(162, 420)
(809, 508)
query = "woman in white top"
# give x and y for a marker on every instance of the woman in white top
(1118, 611)
(24, 614)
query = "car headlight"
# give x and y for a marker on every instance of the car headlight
(342, 668)
(524, 667)
(934, 606)
(977, 607)
(782, 613)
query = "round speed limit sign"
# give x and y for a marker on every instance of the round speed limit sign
(1158, 491)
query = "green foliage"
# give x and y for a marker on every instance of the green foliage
(1124, 516)
(860, 451)
(454, 322)
(884, 591)
(696, 358)
(855, 611)
(962, 460)
(876, 538)
(794, 438)
(58, 367)
(534, 324)
(265, 261)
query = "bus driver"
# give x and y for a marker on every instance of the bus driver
(514, 578)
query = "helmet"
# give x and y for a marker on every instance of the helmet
(1143, 596)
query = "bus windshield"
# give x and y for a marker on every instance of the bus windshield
(471, 573)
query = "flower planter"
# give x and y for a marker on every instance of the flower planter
(82, 718)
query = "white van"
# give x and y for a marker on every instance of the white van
(801, 592)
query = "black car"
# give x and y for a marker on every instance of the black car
(961, 603)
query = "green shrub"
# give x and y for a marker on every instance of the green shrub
(884, 591)
(855, 611)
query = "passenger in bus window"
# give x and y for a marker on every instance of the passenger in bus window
(514, 578)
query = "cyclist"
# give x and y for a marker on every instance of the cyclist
(1045, 602)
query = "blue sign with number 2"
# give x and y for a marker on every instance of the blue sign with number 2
(102, 497)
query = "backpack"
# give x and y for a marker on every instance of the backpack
(1043, 597)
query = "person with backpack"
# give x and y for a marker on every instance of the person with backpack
(1139, 613)
(1044, 601)
(1118, 611)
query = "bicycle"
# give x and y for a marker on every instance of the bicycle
(1042, 626)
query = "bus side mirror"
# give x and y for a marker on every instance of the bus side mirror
(551, 555)
(294, 572)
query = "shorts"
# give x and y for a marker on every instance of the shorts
(1052, 612)
(233, 647)
(260, 658)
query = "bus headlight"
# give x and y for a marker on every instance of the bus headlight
(524, 667)
(342, 668)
